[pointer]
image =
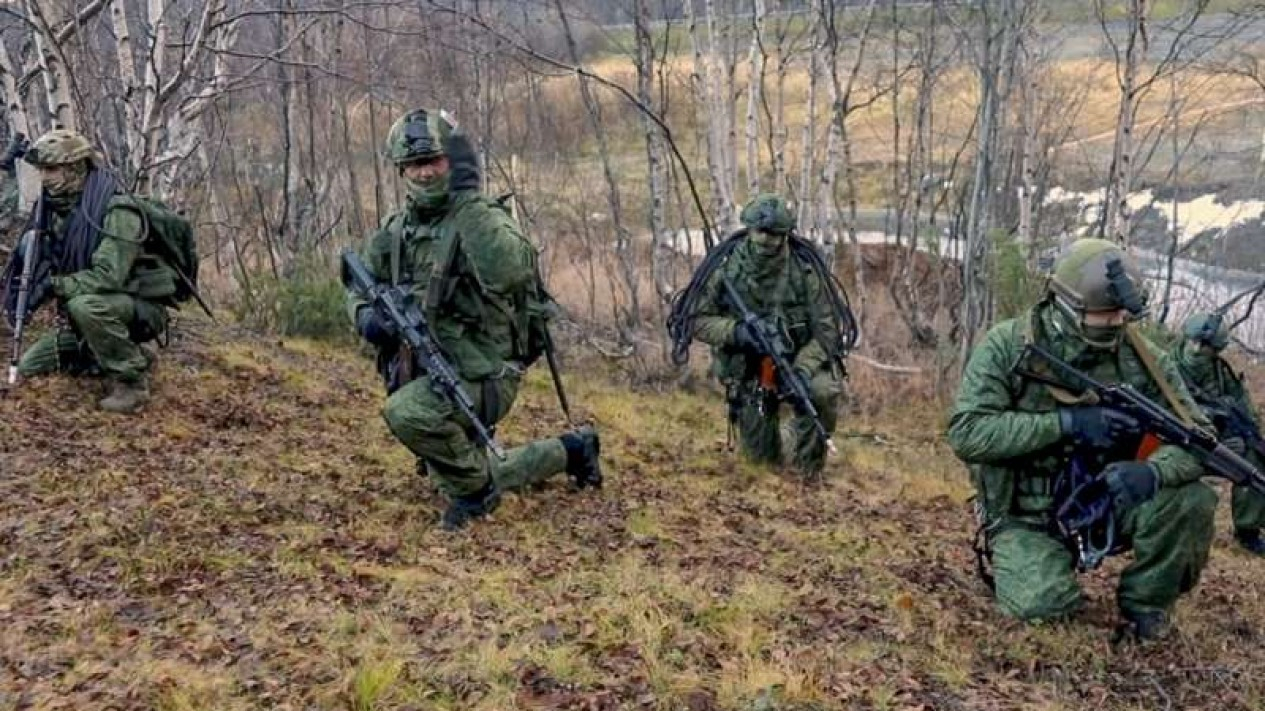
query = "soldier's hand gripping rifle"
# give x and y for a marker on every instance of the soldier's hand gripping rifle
(397, 305)
(1154, 419)
(790, 385)
(1233, 421)
(31, 249)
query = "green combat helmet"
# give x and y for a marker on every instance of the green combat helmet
(1096, 275)
(768, 213)
(419, 134)
(1207, 329)
(60, 147)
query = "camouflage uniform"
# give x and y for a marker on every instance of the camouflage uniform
(776, 286)
(115, 303)
(1211, 379)
(467, 261)
(9, 194)
(1012, 434)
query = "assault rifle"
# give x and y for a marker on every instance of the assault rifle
(398, 306)
(1084, 514)
(1233, 421)
(789, 384)
(31, 251)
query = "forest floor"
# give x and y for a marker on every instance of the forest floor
(257, 540)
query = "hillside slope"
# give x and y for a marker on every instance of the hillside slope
(257, 540)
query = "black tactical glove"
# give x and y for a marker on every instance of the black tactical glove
(747, 340)
(373, 328)
(1130, 484)
(1236, 445)
(1097, 427)
(463, 164)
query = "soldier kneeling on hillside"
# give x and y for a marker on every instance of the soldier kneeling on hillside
(463, 259)
(95, 261)
(1028, 439)
(780, 327)
(1223, 395)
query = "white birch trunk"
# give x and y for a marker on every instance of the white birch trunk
(710, 117)
(662, 254)
(755, 86)
(127, 74)
(56, 82)
(779, 131)
(1027, 170)
(808, 143)
(1120, 179)
(155, 63)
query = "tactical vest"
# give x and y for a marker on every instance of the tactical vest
(785, 294)
(1025, 489)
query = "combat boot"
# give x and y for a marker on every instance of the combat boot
(1249, 539)
(464, 509)
(126, 397)
(1143, 626)
(584, 450)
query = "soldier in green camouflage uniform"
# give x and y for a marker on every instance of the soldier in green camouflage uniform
(108, 287)
(791, 299)
(9, 196)
(1214, 385)
(467, 262)
(1019, 437)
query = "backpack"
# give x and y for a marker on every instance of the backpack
(170, 237)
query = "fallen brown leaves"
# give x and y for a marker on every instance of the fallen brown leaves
(257, 540)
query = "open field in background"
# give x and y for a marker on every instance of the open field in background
(258, 540)
(1227, 106)
(619, 39)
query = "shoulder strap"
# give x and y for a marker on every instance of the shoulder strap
(397, 248)
(1143, 349)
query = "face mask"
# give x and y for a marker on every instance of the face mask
(1099, 337)
(66, 182)
(767, 243)
(1196, 356)
(428, 195)
(1104, 337)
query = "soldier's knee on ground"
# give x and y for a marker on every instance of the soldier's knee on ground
(407, 418)
(1034, 576)
(1042, 598)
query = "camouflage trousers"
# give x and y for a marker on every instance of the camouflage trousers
(1248, 508)
(436, 432)
(1170, 536)
(105, 333)
(765, 440)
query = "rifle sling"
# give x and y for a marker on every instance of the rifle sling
(1142, 348)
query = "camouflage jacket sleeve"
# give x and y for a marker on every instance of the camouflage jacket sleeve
(376, 254)
(1237, 389)
(495, 252)
(1175, 465)
(714, 324)
(813, 356)
(121, 241)
(985, 426)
